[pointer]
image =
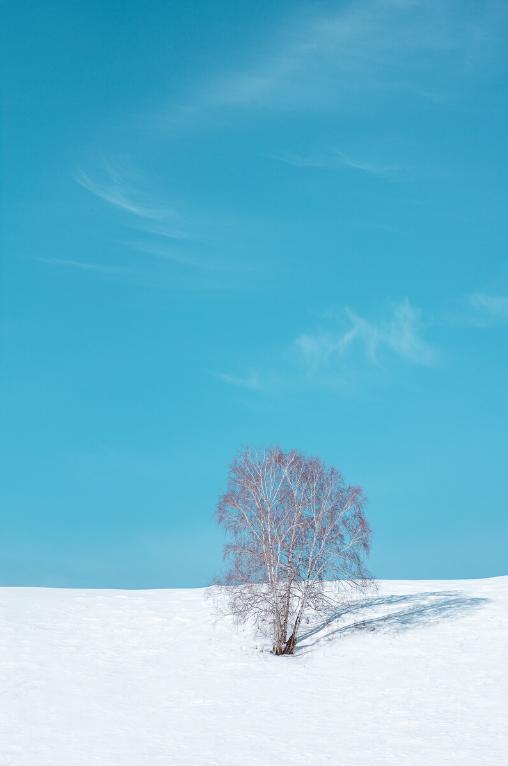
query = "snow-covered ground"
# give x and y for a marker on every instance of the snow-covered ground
(145, 678)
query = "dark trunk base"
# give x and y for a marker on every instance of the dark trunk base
(288, 648)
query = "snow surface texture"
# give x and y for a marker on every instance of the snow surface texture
(416, 675)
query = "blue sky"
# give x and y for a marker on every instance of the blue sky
(251, 223)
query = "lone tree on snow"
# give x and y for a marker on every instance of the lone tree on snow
(292, 524)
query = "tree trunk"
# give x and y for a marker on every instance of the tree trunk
(290, 645)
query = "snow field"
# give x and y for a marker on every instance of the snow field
(417, 676)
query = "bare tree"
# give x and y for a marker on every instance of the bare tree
(292, 525)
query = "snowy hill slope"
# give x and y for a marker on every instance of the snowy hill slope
(145, 678)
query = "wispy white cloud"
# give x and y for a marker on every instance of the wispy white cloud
(166, 252)
(399, 336)
(157, 244)
(334, 357)
(335, 160)
(157, 226)
(68, 263)
(170, 235)
(148, 275)
(495, 306)
(156, 220)
(116, 190)
(251, 381)
(322, 60)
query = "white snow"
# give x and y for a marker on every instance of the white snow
(142, 678)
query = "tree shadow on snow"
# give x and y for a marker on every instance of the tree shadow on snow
(418, 609)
